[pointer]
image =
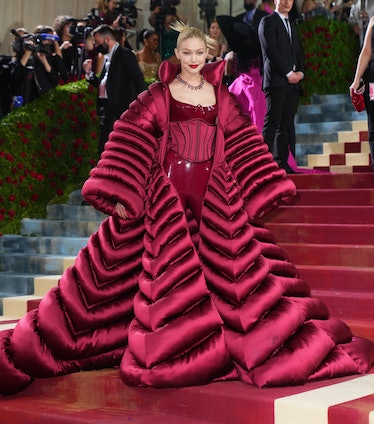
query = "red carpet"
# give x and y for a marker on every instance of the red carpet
(100, 397)
(329, 234)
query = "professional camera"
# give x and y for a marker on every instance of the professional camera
(32, 42)
(167, 7)
(79, 31)
(128, 10)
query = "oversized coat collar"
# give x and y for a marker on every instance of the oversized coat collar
(213, 73)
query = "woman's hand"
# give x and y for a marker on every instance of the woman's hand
(65, 45)
(358, 87)
(121, 211)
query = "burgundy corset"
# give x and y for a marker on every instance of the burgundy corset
(192, 130)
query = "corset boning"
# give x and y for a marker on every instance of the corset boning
(192, 140)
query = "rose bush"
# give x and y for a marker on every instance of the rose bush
(47, 149)
(331, 49)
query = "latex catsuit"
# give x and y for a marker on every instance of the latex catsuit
(189, 179)
(188, 161)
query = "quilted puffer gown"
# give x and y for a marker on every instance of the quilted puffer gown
(174, 302)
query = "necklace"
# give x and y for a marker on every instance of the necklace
(191, 87)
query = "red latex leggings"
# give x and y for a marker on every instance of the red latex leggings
(190, 179)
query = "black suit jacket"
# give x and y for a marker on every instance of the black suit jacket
(279, 55)
(246, 43)
(125, 80)
(258, 15)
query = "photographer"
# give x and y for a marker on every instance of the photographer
(53, 51)
(34, 72)
(117, 14)
(164, 15)
(63, 26)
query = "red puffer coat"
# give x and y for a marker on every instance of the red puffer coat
(172, 302)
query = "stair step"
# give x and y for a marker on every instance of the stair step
(37, 264)
(323, 214)
(42, 227)
(361, 328)
(43, 284)
(330, 254)
(43, 245)
(333, 196)
(348, 136)
(74, 213)
(335, 278)
(323, 127)
(349, 159)
(340, 304)
(7, 323)
(316, 233)
(16, 283)
(18, 306)
(361, 125)
(360, 180)
(339, 113)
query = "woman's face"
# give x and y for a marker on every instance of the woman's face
(152, 42)
(214, 30)
(192, 54)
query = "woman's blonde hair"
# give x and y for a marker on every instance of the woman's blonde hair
(186, 31)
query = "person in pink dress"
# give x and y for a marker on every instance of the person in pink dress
(181, 284)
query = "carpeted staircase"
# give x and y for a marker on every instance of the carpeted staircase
(328, 232)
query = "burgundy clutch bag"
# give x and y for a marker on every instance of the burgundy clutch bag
(358, 101)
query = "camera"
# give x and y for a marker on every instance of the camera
(128, 10)
(32, 42)
(167, 7)
(79, 32)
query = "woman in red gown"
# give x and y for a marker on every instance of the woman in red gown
(181, 285)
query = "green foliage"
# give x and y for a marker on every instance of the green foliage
(47, 149)
(331, 50)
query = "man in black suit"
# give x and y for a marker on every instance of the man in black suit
(283, 69)
(119, 83)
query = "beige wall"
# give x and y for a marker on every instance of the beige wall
(30, 13)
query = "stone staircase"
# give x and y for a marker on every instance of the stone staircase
(33, 262)
(332, 136)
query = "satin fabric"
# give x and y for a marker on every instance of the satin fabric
(174, 303)
(247, 88)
